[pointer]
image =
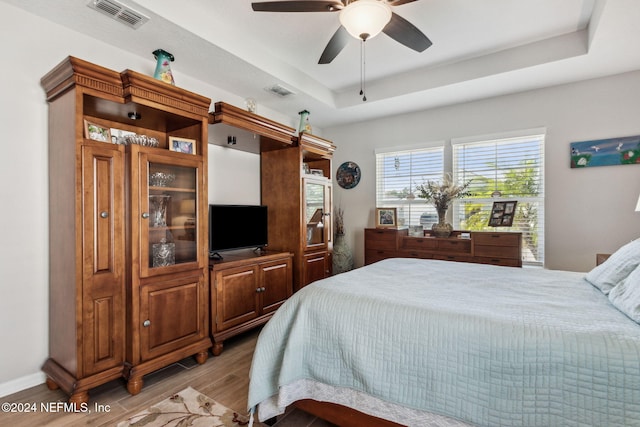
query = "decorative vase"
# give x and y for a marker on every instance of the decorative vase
(442, 228)
(342, 257)
(158, 210)
(163, 70)
(164, 253)
(304, 125)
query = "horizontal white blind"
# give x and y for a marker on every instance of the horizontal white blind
(507, 169)
(398, 173)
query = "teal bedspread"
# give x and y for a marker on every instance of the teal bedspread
(491, 346)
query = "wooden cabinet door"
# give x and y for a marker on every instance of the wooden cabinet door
(314, 267)
(237, 296)
(167, 224)
(276, 280)
(103, 303)
(172, 314)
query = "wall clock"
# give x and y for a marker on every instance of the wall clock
(348, 175)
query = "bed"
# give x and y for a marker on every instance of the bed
(427, 342)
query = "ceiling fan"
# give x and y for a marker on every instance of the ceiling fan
(362, 19)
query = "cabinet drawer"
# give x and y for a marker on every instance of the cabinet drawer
(454, 246)
(452, 257)
(380, 239)
(415, 254)
(497, 239)
(419, 243)
(511, 252)
(375, 255)
(499, 261)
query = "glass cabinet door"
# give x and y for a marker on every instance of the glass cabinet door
(169, 218)
(317, 216)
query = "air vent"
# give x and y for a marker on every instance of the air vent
(119, 12)
(279, 90)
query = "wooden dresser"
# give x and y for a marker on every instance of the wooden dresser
(498, 248)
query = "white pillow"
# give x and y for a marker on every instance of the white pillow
(626, 295)
(616, 268)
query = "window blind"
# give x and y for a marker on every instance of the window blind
(398, 173)
(503, 169)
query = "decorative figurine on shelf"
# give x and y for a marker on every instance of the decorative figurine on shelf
(163, 71)
(252, 105)
(305, 125)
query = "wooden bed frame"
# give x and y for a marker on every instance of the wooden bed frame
(341, 415)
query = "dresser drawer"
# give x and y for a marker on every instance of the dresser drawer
(415, 254)
(375, 255)
(512, 252)
(461, 246)
(499, 261)
(497, 239)
(381, 239)
(452, 257)
(419, 243)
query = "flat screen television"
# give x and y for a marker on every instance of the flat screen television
(236, 227)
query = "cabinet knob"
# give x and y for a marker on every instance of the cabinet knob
(146, 323)
(104, 214)
(145, 215)
(261, 289)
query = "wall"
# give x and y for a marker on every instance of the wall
(36, 47)
(588, 211)
(234, 176)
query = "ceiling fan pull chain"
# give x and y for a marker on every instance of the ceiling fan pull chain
(363, 64)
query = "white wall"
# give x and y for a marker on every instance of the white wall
(234, 176)
(588, 211)
(36, 47)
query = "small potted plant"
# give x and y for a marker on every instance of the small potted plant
(441, 195)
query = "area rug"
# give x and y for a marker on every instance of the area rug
(186, 408)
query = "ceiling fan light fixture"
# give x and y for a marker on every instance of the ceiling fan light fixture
(365, 19)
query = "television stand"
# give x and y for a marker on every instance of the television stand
(246, 289)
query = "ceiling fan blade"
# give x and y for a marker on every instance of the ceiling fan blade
(335, 45)
(298, 6)
(399, 2)
(406, 33)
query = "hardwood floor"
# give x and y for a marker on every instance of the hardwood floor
(224, 378)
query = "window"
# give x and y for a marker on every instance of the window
(503, 169)
(398, 173)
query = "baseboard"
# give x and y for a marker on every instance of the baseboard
(22, 383)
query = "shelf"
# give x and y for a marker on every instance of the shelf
(173, 189)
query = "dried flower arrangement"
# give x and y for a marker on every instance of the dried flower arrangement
(339, 220)
(442, 194)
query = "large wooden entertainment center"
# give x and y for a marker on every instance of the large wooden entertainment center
(130, 289)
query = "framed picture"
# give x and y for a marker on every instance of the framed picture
(502, 214)
(386, 217)
(182, 145)
(96, 132)
(606, 152)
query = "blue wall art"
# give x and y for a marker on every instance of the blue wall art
(606, 152)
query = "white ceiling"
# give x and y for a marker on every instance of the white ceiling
(481, 48)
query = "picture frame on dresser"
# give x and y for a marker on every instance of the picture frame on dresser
(386, 217)
(502, 214)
